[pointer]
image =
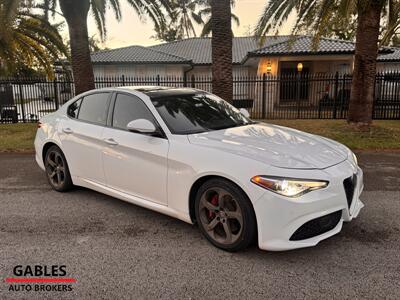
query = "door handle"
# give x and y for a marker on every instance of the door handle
(67, 130)
(111, 141)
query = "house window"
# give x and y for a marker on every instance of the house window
(293, 87)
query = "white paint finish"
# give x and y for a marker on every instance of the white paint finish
(136, 164)
(274, 145)
(158, 173)
(245, 112)
(276, 229)
(82, 144)
(188, 162)
(131, 199)
(141, 125)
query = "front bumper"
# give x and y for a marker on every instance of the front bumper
(279, 217)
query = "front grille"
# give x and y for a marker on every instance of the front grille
(349, 186)
(317, 226)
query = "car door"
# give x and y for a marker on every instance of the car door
(135, 163)
(81, 136)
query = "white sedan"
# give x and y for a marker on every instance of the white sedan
(189, 154)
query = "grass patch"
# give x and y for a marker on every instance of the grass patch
(383, 134)
(17, 137)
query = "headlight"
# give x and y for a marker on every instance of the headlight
(288, 186)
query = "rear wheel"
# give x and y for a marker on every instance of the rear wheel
(57, 170)
(225, 215)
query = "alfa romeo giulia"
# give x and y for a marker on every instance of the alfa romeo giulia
(191, 155)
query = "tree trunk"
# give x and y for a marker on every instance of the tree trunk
(75, 13)
(222, 81)
(366, 52)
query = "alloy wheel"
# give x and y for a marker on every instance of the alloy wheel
(55, 168)
(221, 216)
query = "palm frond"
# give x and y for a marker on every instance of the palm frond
(316, 16)
(28, 39)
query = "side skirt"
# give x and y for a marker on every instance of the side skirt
(131, 199)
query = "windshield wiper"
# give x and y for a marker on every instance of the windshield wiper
(193, 131)
(216, 128)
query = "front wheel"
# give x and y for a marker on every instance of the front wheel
(225, 215)
(57, 170)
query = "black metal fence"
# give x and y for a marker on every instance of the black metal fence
(305, 96)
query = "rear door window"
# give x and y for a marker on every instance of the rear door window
(94, 108)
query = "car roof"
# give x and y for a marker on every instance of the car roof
(160, 91)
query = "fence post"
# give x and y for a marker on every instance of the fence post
(336, 94)
(184, 79)
(123, 80)
(21, 99)
(264, 96)
(193, 81)
(342, 104)
(375, 99)
(158, 79)
(298, 82)
(56, 102)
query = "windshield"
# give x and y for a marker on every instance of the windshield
(196, 113)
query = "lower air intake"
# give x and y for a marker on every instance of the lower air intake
(317, 226)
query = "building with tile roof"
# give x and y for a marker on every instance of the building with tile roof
(277, 55)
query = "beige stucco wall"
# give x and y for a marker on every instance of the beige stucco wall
(388, 67)
(138, 70)
(268, 66)
(205, 71)
(240, 89)
(320, 64)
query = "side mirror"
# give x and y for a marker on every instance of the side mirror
(142, 126)
(244, 112)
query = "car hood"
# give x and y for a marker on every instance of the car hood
(275, 145)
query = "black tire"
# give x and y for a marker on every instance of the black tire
(235, 202)
(57, 171)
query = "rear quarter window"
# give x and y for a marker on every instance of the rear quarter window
(73, 109)
(94, 107)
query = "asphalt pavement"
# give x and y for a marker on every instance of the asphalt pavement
(116, 250)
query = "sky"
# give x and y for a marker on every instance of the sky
(133, 31)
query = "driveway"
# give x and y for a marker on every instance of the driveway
(116, 250)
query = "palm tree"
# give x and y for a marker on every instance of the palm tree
(167, 32)
(321, 12)
(76, 13)
(392, 34)
(186, 14)
(221, 48)
(205, 14)
(184, 17)
(363, 84)
(27, 39)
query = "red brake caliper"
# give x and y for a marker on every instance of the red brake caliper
(214, 201)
